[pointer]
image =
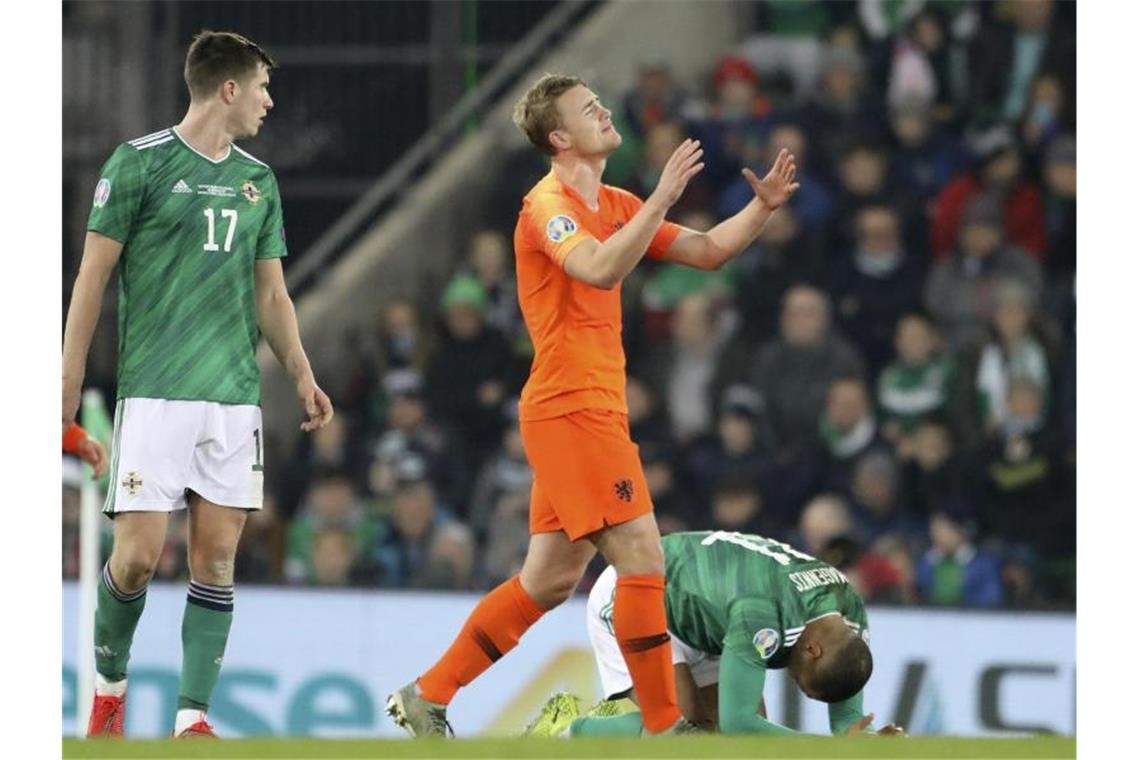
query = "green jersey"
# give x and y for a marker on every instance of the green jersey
(191, 229)
(749, 595)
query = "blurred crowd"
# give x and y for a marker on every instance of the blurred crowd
(885, 379)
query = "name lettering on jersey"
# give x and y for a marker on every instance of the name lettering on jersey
(806, 580)
(181, 187)
(251, 193)
(220, 191)
(560, 227)
(102, 193)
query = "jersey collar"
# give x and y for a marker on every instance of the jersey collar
(215, 161)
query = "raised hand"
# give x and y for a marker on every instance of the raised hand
(682, 166)
(779, 184)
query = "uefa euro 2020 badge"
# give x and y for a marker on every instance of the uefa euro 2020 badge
(560, 227)
(251, 193)
(102, 192)
(766, 641)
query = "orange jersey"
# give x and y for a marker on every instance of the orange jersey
(579, 362)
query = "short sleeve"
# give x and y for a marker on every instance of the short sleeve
(118, 195)
(554, 226)
(665, 235)
(754, 632)
(271, 239)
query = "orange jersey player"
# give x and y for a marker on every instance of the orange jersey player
(77, 442)
(575, 241)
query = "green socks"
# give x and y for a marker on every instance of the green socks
(205, 629)
(116, 617)
(619, 725)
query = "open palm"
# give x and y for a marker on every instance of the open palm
(779, 184)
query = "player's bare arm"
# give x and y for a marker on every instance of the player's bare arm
(724, 242)
(278, 322)
(100, 255)
(604, 265)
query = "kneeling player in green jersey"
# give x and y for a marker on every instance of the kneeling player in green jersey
(194, 225)
(738, 606)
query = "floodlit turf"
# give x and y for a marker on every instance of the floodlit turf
(671, 747)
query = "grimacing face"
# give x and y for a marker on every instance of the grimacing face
(252, 103)
(586, 125)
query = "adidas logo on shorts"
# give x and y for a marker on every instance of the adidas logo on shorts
(181, 187)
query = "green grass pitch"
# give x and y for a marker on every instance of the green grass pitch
(703, 747)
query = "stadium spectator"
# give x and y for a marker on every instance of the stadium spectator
(824, 518)
(411, 431)
(793, 372)
(842, 105)
(1060, 174)
(490, 261)
(865, 180)
(684, 368)
(330, 447)
(847, 431)
(734, 452)
(876, 502)
(812, 204)
(874, 577)
(925, 155)
(400, 552)
(916, 384)
(655, 99)
(784, 255)
(261, 553)
(1047, 116)
(998, 173)
(450, 562)
(1021, 464)
(959, 290)
(1014, 352)
(400, 341)
(954, 572)
(673, 508)
(648, 422)
(332, 503)
(875, 283)
(922, 63)
(1004, 58)
(334, 553)
(734, 131)
(470, 376)
(739, 506)
(937, 477)
(500, 502)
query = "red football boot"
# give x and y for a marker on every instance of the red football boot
(199, 730)
(107, 714)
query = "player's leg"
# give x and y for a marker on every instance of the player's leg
(550, 573)
(225, 483)
(634, 549)
(145, 488)
(214, 534)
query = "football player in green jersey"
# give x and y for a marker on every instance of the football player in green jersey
(738, 606)
(194, 225)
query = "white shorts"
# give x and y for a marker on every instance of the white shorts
(611, 665)
(163, 449)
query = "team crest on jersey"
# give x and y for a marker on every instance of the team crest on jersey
(560, 227)
(250, 191)
(766, 641)
(132, 483)
(102, 192)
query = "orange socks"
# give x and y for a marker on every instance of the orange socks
(493, 628)
(639, 623)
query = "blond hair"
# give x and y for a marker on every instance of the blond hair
(536, 112)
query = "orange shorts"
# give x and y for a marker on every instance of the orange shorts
(587, 473)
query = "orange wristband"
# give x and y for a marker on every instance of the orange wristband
(74, 436)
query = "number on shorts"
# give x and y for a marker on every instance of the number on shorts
(768, 549)
(257, 464)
